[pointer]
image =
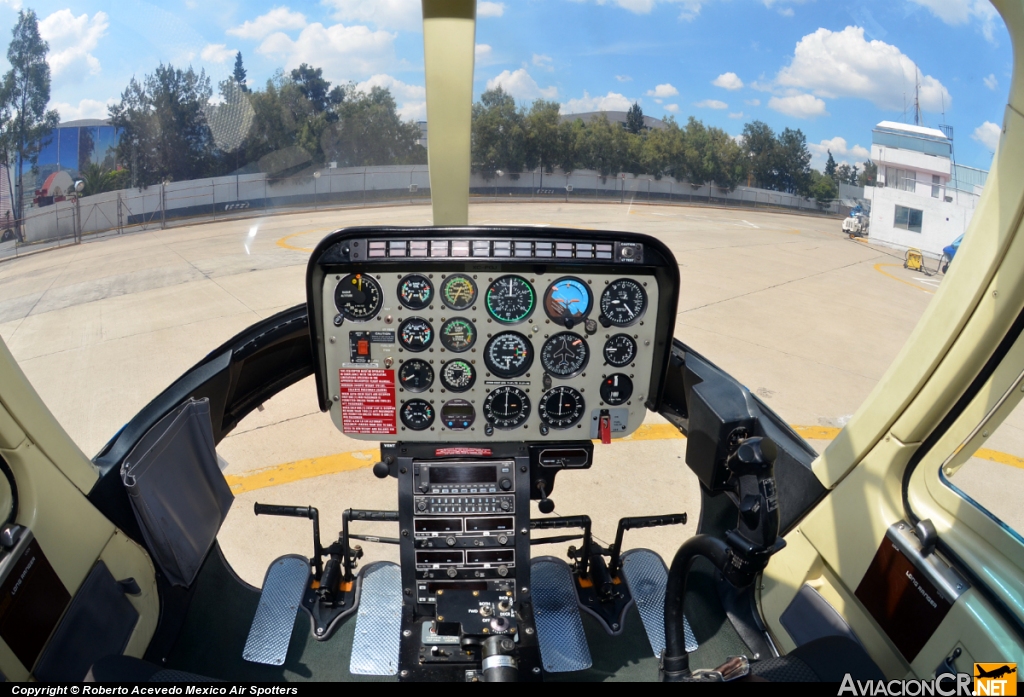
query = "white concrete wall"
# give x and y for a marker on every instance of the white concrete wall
(941, 222)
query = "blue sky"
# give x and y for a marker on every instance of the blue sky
(831, 69)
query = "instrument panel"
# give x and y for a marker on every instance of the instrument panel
(507, 341)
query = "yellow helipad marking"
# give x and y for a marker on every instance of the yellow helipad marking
(878, 268)
(360, 459)
(283, 242)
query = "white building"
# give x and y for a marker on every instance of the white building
(922, 199)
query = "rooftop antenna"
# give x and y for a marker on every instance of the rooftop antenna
(917, 97)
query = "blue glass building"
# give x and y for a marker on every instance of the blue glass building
(72, 147)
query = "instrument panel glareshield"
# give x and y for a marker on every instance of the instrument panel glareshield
(477, 334)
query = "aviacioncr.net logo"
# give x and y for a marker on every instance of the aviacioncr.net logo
(946, 686)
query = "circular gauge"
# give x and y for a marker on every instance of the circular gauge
(561, 407)
(565, 354)
(458, 292)
(623, 302)
(507, 408)
(510, 299)
(568, 298)
(358, 297)
(458, 334)
(416, 375)
(415, 334)
(458, 375)
(508, 355)
(415, 291)
(457, 414)
(616, 389)
(620, 350)
(417, 414)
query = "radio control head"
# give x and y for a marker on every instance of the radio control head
(505, 484)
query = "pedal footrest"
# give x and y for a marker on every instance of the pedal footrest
(271, 630)
(378, 636)
(563, 643)
(647, 577)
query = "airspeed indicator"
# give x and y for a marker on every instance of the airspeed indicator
(510, 299)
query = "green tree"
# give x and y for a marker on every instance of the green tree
(164, 132)
(316, 89)
(762, 154)
(371, 132)
(822, 187)
(869, 175)
(635, 119)
(499, 135)
(830, 166)
(571, 144)
(543, 140)
(793, 164)
(25, 124)
(238, 75)
(99, 179)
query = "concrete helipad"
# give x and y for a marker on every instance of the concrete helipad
(806, 318)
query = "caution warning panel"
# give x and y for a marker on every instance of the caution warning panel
(368, 401)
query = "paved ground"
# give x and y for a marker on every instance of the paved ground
(806, 318)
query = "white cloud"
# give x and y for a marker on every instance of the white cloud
(623, 78)
(543, 62)
(217, 53)
(752, 102)
(688, 9)
(663, 91)
(13, 4)
(841, 152)
(85, 109)
(72, 40)
(988, 135)
(412, 99)
(801, 106)
(674, 108)
(843, 64)
(490, 9)
(278, 19)
(711, 104)
(737, 115)
(991, 82)
(787, 12)
(521, 85)
(342, 51)
(385, 14)
(729, 81)
(613, 101)
(482, 51)
(956, 12)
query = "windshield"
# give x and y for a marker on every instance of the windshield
(169, 170)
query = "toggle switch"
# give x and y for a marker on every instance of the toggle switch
(605, 427)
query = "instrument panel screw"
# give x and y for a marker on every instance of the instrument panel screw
(959, 586)
(529, 631)
(404, 673)
(536, 671)
(334, 339)
(319, 630)
(407, 632)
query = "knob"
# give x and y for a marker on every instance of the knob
(502, 571)
(505, 484)
(421, 505)
(381, 471)
(452, 573)
(450, 541)
(506, 505)
(423, 488)
(546, 505)
(502, 540)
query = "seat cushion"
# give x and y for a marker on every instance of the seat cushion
(128, 669)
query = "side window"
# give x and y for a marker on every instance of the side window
(993, 477)
(908, 218)
(936, 186)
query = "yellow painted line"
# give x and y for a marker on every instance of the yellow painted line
(283, 242)
(1001, 458)
(878, 268)
(360, 459)
(303, 469)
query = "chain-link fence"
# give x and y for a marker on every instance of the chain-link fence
(253, 195)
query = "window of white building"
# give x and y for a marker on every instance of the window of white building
(902, 179)
(936, 185)
(908, 218)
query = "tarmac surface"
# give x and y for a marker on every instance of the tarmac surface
(806, 318)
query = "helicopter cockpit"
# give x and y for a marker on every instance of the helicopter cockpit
(484, 365)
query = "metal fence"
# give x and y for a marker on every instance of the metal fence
(254, 195)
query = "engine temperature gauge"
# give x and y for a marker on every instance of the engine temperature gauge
(458, 375)
(415, 291)
(417, 414)
(458, 292)
(507, 408)
(415, 334)
(416, 375)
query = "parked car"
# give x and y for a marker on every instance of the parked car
(948, 252)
